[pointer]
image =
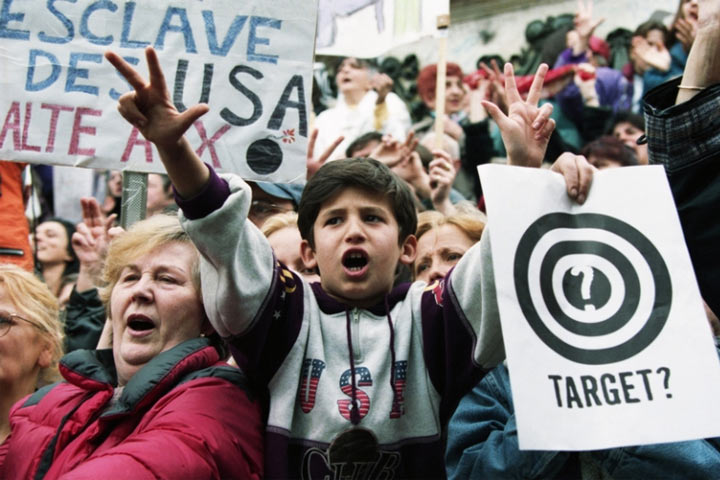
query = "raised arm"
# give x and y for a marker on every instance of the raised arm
(526, 131)
(703, 65)
(149, 109)
(585, 26)
(526, 128)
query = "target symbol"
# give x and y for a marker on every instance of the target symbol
(593, 288)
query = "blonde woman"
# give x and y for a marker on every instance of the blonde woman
(282, 233)
(442, 241)
(161, 403)
(31, 339)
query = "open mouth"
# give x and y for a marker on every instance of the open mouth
(140, 323)
(355, 261)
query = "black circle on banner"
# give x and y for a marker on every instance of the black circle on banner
(628, 273)
(264, 156)
(660, 276)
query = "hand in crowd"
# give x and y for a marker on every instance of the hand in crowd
(584, 25)
(411, 170)
(383, 85)
(314, 164)
(392, 152)
(452, 128)
(585, 80)
(685, 33)
(476, 112)
(442, 175)
(526, 129)
(578, 174)
(496, 87)
(653, 56)
(90, 242)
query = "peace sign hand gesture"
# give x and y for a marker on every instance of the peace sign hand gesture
(526, 129)
(149, 108)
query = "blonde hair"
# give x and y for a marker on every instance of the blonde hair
(140, 239)
(278, 222)
(34, 301)
(470, 224)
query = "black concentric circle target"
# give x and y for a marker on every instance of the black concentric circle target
(658, 314)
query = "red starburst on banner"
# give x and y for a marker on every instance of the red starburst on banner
(289, 135)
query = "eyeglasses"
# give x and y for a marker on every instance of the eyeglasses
(262, 209)
(8, 320)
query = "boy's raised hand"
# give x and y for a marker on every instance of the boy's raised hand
(149, 108)
(526, 129)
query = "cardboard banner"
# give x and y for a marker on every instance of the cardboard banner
(607, 340)
(369, 28)
(250, 61)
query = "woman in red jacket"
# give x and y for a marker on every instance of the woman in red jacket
(161, 403)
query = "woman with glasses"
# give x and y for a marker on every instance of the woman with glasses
(30, 339)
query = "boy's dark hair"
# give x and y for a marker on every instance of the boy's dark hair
(363, 173)
(361, 142)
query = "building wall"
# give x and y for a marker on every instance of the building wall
(481, 27)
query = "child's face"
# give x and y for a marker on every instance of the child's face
(356, 247)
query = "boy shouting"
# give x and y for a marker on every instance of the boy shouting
(361, 377)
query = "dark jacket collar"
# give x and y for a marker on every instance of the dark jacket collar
(329, 305)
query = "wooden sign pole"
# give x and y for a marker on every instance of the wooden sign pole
(134, 198)
(443, 23)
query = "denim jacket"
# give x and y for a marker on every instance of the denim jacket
(483, 443)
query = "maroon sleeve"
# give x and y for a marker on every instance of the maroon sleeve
(210, 198)
(448, 341)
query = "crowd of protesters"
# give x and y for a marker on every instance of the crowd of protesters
(347, 327)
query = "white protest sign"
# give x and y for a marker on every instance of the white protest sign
(608, 344)
(369, 28)
(250, 61)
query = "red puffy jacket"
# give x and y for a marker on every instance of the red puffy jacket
(183, 415)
